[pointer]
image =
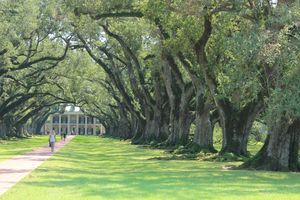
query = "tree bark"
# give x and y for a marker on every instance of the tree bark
(179, 95)
(236, 126)
(3, 129)
(155, 128)
(138, 128)
(180, 120)
(281, 149)
(124, 129)
(203, 135)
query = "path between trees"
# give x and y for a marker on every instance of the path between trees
(13, 170)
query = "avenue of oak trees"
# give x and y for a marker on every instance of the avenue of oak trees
(151, 70)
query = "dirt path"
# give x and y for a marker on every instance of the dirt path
(16, 168)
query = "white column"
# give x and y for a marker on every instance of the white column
(85, 125)
(101, 129)
(77, 124)
(68, 130)
(94, 126)
(59, 124)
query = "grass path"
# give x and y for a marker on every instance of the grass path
(10, 148)
(91, 168)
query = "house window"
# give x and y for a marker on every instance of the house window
(55, 119)
(81, 120)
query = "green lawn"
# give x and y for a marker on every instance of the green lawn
(10, 148)
(91, 168)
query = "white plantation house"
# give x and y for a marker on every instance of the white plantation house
(73, 121)
(273, 3)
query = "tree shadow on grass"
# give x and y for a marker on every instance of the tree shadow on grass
(115, 171)
(119, 183)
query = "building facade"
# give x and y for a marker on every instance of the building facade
(73, 122)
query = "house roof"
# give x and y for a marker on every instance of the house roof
(72, 109)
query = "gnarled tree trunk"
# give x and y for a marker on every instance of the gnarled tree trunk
(281, 149)
(138, 128)
(155, 126)
(123, 127)
(203, 136)
(236, 125)
(181, 120)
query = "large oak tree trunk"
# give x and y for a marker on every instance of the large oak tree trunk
(8, 127)
(138, 128)
(236, 126)
(203, 135)
(20, 132)
(181, 121)
(37, 123)
(180, 132)
(124, 129)
(3, 129)
(281, 149)
(155, 126)
(236, 131)
(235, 123)
(179, 96)
(235, 135)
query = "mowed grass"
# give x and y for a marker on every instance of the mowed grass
(91, 168)
(10, 148)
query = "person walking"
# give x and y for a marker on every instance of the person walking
(52, 140)
(65, 136)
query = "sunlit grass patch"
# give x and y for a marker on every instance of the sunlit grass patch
(10, 148)
(91, 168)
